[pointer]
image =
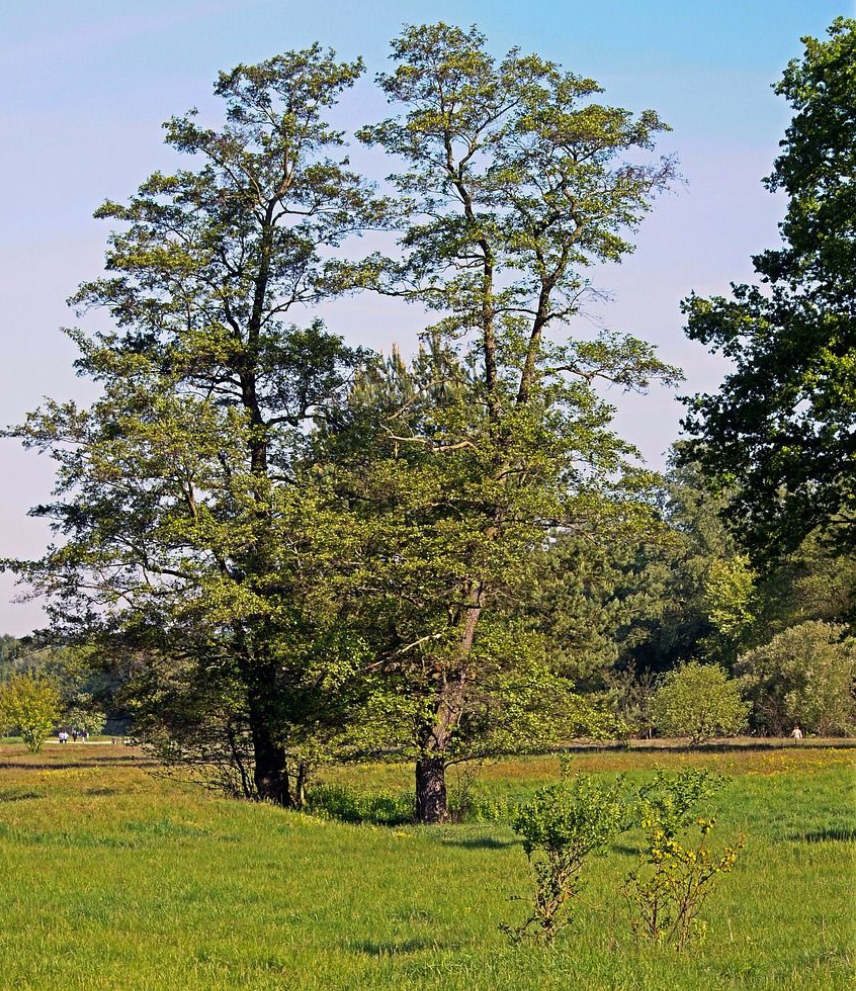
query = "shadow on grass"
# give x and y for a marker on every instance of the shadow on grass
(477, 842)
(390, 949)
(826, 836)
(129, 761)
(713, 746)
(21, 796)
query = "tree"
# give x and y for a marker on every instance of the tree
(10, 650)
(30, 705)
(698, 701)
(806, 674)
(465, 461)
(730, 596)
(185, 506)
(663, 586)
(83, 715)
(781, 431)
(577, 602)
(695, 595)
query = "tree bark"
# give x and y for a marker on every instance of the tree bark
(270, 775)
(270, 761)
(432, 804)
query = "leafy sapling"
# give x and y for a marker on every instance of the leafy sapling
(29, 705)
(673, 880)
(563, 825)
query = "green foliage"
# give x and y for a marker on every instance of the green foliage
(194, 541)
(493, 438)
(69, 667)
(31, 706)
(805, 675)
(582, 602)
(779, 431)
(561, 827)
(85, 716)
(254, 513)
(698, 701)
(694, 596)
(646, 604)
(669, 802)
(729, 593)
(10, 649)
(671, 885)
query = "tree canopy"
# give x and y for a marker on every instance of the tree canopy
(284, 548)
(781, 430)
(180, 508)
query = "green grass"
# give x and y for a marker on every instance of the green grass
(114, 878)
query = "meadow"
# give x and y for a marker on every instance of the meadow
(115, 878)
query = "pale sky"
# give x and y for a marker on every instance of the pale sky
(87, 84)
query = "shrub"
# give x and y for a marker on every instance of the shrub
(698, 701)
(561, 827)
(31, 705)
(804, 675)
(669, 802)
(673, 884)
(673, 881)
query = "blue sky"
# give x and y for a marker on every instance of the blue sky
(87, 84)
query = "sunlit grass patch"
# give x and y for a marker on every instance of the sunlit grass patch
(114, 877)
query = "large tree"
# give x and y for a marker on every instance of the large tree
(781, 431)
(514, 181)
(184, 509)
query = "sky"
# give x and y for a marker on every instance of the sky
(87, 85)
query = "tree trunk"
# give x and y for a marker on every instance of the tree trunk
(271, 767)
(300, 786)
(271, 772)
(432, 805)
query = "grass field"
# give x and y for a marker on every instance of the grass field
(114, 879)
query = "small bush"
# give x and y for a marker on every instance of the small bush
(698, 701)
(673, 881)
(561, 827)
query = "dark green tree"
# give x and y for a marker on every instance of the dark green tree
(188, 521)
(514, 181)
(780, 433)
